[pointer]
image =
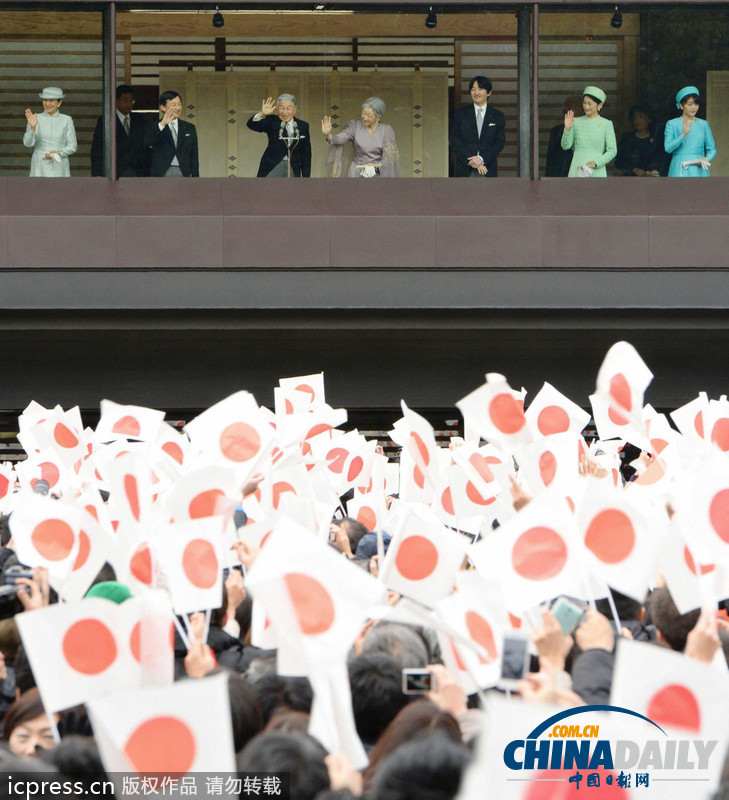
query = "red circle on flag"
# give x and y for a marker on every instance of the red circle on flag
(322, 427)
(161, 744)
(200, 563)
(547, 467)
(553, 419)
(457, 656)
(355, 468)
(84, 548)
(416, 558)
(481, 465)
(4, 485)
(92, 510)
(239, 442)
(127, 426)
(620, 391)
(720, 434)
(135, 640)
(367, 517)
(48, 472)
(280, 488)
(507, 413)
(476, 497)
(480, 631)
(675, 706)
(691, 564)
(312, 603)
(140, 564)
(659, 445)
(89, 647)
(421, 446)
(539, 554)
(610, 535)
(132, 493)
(419, 478)
(719, 514)
(64, 436)
(174, 451)
(335, 459)
(53, 539)
(446, 500)
(205, 503)
(699, 424)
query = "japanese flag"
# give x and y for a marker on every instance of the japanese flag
(622, 537)
(302, 394)
(203, 492)
(535, 556)
(190, 555)
(622, 381)
(95, 545)
(47, 466)
(462, 501)
(421, 444)
(688, 570)
(690, 418)
(59, 430)
(717, 424)
(170, 446)
(127, 422)
(611, 426)
(175, 730)
(550, 463)
(685, 697)
(423, 556)
(129, 480)
(298, 429)
(368, 504)
(82, 650)
(232, 433)
(488, 468)
(496, 412)
(314, 598)
(551, 412)
(348, 459)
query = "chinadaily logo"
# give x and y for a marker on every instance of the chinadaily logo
(599, 746)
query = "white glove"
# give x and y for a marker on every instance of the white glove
(705, 163)
(57, 157)
(368, 171)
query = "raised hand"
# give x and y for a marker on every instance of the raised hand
(569, 120)
(268, 106)
(31, 118)
(326, 127)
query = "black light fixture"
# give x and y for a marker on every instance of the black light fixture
(617, 19)
(431, 20)
(218, 20)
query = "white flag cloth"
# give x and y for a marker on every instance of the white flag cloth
(550, 463)
(173, 730)
(690, 418)
(305, 393)
(622, 380)
(496, 412)
(118, 422)
(552, 412)
(203, 492)
(82, 650)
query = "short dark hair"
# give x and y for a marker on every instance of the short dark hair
(121, 89)
(674, 627)
(276, 691)
(596, 99)
(28, 706)
(688, 97)
(633, 110)
(165, 97)
(245, 710)
(377, 696)
(482, 81)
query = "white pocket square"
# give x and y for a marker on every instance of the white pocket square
(491, 124)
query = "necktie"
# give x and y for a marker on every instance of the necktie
(173, 131)
(479, 121)
(126, 125)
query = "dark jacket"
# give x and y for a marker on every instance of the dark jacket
(465, 141)
(276, 150)
(161, 148)
(229, 652)
(131, 157)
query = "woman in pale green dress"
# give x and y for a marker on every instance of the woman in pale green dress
(592, 137)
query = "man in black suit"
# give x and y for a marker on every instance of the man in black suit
(288, 154)
(130, 153)
(172, 142)
(477, 133)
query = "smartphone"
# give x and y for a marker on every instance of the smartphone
(569, 614)
(514, 660)
(418, 681)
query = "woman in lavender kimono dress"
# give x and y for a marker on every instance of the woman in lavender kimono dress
(51, 135)
(373, 141)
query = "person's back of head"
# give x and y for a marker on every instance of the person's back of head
(245, 710)
(275, 691)
(428, 768)
(673, 627)
(299, 755)
(399, 641)
(377, 696)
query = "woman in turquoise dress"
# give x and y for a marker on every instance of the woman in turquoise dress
(689, 138)
(592, 136)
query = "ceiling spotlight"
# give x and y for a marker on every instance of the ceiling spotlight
(431, 20)
(617, 19)
(218, 20)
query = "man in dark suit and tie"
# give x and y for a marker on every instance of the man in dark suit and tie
(172, 142)
(477, 133)
(288, 154)
(131, 159)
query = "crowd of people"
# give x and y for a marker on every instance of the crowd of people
(583, 146)
(357, 609)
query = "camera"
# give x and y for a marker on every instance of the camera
(418, 681)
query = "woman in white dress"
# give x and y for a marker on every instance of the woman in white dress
(52, 137)
(373, 141)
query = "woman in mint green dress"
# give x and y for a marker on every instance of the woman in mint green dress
(592, 136)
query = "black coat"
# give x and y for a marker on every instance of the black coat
(162, 150)
(276, 150)
(465, 141)
(131, 157)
